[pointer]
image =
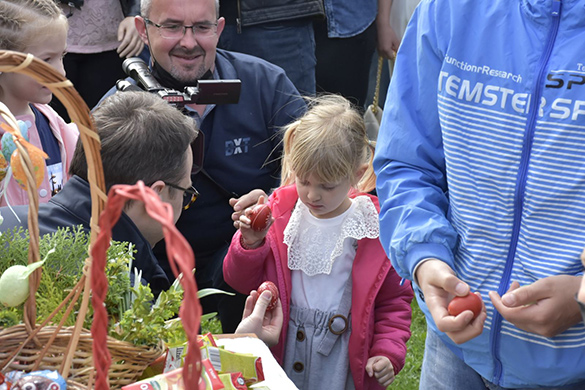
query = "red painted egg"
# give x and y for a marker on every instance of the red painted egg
(268, 285)
(260, 217)
(469, 302)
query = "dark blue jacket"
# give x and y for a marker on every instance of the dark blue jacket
(242, 146)
(72, 207)
(242, 150)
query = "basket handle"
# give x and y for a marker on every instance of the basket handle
(181, 258)
(28, 168)
(62, 88)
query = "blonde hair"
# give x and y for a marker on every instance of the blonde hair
(330, 142)
(22, 20)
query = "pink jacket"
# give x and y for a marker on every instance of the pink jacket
(66, 134)
(380, 306)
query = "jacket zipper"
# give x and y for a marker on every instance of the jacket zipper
(521, 186)
(239, 19)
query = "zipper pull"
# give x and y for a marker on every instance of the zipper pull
(556, 7)
(238, 25)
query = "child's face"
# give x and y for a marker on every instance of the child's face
(324, 200)
(18, 89)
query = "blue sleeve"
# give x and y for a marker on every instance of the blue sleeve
(409, 159)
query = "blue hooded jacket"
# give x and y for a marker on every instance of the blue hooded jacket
(480, 163)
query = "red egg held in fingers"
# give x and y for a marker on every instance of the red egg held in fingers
(260, 217)
(268, 285)
(469, 302)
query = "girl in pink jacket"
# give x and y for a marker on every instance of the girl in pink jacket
(40, 28)
(347, 317)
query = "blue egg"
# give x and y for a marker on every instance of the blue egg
(8, 145)
(23, 129)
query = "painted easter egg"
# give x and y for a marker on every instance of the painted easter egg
(8, 145)
(268, 285)
(3, 167)
(469, 302)
(18, 167)
(260, 217)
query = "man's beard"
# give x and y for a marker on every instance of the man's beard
(167, 80)
(190, 75)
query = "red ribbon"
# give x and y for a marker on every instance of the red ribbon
(181, 259)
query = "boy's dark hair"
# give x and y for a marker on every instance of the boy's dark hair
(142, 138)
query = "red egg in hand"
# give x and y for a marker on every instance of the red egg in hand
(469, 302)
(268, 285)
(260, 217)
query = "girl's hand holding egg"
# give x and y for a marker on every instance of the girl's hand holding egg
(254, 224)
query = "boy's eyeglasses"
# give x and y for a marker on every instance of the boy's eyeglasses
(177, 31)
(190, 194)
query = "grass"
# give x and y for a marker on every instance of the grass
(408, 378)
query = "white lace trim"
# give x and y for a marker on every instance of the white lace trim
(313, 244)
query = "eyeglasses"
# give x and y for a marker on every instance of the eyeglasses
(190, 194)
(177, 31)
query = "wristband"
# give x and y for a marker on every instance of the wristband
(247, 247)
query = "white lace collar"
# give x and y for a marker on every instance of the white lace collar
(313, 244)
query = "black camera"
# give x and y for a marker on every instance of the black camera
(206, 91)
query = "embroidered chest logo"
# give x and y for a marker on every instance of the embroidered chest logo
(236, 146)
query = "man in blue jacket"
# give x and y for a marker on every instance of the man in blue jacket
(242, 141)
(481, 183)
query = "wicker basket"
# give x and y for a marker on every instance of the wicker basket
(30, 346)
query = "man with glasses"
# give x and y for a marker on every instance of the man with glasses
(242, 141)
(142, 138)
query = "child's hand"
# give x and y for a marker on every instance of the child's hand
(250, 237)
(256, 319)
(381, 368)
(240, 204)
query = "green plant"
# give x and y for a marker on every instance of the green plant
(211, 325)
(64, 252)
(134, 314)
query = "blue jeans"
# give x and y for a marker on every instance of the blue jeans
(288, 44)
(443, 370)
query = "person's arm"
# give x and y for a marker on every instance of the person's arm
(411, 176)
(243, 268)
(409, 159)
(388, 41)
(392, 319)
